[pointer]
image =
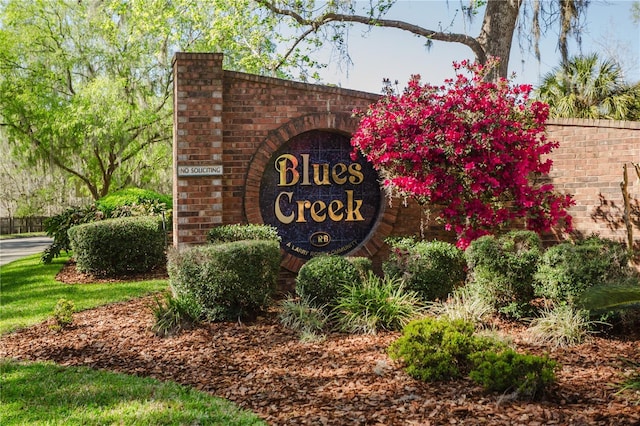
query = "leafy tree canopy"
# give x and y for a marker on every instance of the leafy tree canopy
(85, 85)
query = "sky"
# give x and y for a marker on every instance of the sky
(391, 53)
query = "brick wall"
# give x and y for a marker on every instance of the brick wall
(197, 141)
(238, 120)
(589, 164)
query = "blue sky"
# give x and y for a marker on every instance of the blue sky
(390, 53)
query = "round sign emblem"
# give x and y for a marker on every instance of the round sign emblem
(318, 197)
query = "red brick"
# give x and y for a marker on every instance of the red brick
(239, 120)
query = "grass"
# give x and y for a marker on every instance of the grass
(23, 235)
(376, 304)
(560, 327)
(302, 316)
(48, 394)
(463, 304)
(29, 292)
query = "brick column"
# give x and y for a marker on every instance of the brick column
(197, 146)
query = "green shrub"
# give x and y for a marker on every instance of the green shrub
(431, 268)
(144, 208)
(376, 304)
(301, 316)
(438, 349)
(116, 201)
(527, 376)
(119, 246)
(229, 281)
(362, 264)
(239, 232)
(63, 313)
(174, 314)
(502, 270)
(321, 279)
(567, 269)
(57, 227)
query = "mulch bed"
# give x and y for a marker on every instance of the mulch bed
(69, 274)
(344, 380)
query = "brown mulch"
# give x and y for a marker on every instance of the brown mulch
(344, 380)
(69, 274)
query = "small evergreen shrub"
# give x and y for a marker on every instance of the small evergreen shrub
(144, 208)
(435, 349)
(63, 313)
(502, 270)
(362, 264)
(119, 246)
(433, 269)
(57, 227)
(239, 232)
(117, 201)
(125, 203)
(229, 281)
(303, 317)
(321, 279)
(527, 376)
(567, 269)
(174, 314)
(376, 304)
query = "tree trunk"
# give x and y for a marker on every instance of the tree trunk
(496, 35)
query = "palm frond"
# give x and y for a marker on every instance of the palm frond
(612, 297)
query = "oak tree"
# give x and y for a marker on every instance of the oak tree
(86, 86)
(501, 20)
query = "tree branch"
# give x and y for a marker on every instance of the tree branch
(327, 18)
(156, 138)
(86, 180)
(293, 46)
(37, 145)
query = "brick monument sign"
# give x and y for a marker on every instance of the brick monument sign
(253, 149)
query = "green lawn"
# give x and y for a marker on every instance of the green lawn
(23, 235)
(48, 394)
(29, 292)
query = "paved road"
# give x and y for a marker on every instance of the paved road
(16, 248)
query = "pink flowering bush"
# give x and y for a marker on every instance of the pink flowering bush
(471, 146)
